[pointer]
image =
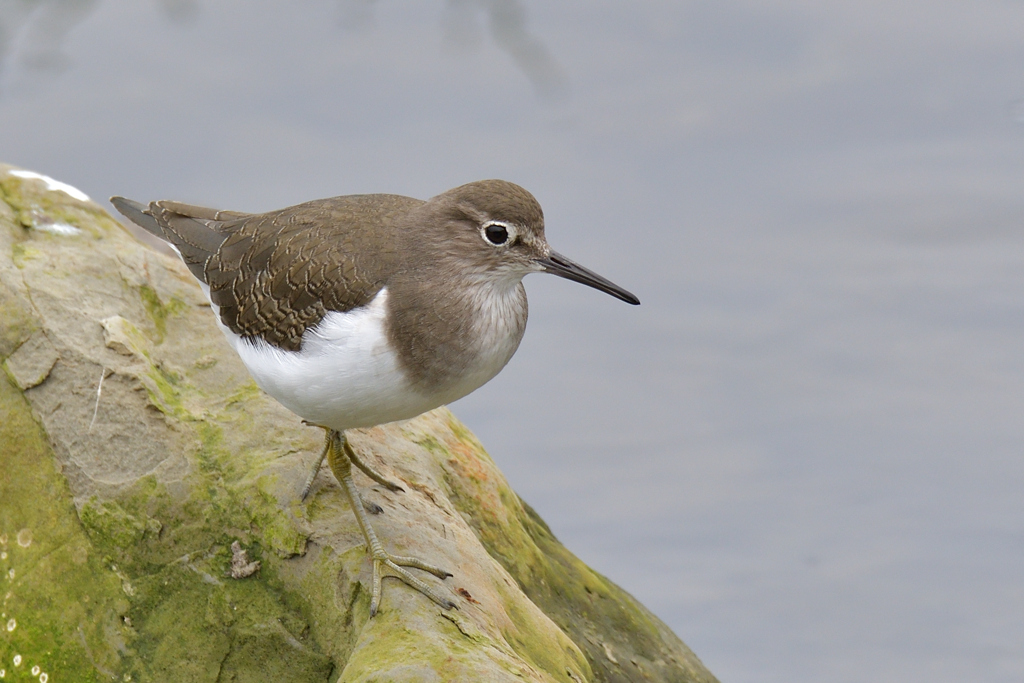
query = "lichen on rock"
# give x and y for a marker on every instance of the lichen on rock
(156, 488)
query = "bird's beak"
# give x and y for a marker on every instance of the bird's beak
(556, 264)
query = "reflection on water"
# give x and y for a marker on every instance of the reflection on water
(506, 20)
(356, 14)
(32, 32)
(40, 27)
(180, 10)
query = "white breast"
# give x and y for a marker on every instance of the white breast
(499, 321)
(345, 375)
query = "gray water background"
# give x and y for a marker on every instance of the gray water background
(804, 450)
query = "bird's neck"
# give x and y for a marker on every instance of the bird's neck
(464, 342)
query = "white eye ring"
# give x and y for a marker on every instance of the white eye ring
(498, 234)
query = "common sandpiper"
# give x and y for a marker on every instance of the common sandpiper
(360, 310)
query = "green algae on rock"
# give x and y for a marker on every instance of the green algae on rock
(137, 451)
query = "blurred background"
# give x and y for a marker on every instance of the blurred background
(804, 450)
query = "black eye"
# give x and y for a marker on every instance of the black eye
(496, 233)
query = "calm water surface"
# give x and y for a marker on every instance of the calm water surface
(804, 450)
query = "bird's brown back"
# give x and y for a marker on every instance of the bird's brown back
(274, 275)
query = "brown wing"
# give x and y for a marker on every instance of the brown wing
(276, 274)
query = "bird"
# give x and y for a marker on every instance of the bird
(360, 310)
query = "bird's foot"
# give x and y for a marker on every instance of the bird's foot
(341, 457)
(383, 560)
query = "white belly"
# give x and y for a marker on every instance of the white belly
(345, 376)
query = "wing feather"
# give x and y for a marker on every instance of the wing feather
(274, 275)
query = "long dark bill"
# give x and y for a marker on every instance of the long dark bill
(556, 264)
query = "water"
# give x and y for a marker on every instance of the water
(804, 450)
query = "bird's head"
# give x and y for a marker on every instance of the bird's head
(494, 230)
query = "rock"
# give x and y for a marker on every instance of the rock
(30, 364)
(150, 527)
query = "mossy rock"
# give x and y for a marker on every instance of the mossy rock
(137, 450)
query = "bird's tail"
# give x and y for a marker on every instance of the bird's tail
(195, 232)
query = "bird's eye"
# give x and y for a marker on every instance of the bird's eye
(496, 233)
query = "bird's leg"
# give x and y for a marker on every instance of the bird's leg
(356, 460)
(367, 470)
(340, 459)
(316, 468)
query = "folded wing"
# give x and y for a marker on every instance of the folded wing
(272, 276)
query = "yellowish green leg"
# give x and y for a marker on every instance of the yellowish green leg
(316, 468)
(356, 460)
(340, 458)
(367, 470)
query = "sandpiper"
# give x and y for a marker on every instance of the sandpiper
(359, 310)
